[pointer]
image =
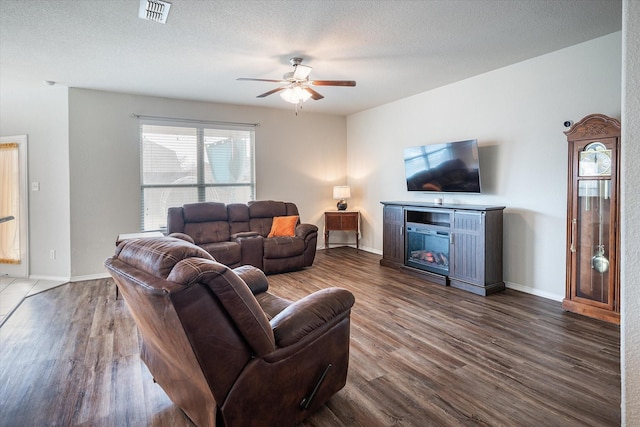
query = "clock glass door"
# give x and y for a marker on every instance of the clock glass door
(592, 228)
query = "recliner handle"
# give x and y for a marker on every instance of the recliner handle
(306, 402)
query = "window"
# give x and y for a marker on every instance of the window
(193, 163)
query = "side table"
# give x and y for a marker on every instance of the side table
(341, 221)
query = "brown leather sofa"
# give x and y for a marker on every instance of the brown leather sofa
(237, 234)
(223, 348)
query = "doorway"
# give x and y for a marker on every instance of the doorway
(14, 253)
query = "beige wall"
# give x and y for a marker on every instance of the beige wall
(517, 115)
(298, 158)
(630, 291)
(41, 112)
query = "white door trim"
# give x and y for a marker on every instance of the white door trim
(22, 269)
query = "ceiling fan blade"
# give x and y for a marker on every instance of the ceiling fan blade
(271, 92)
(261, 80)
(314, 95)
(333, 82)
(301, 72)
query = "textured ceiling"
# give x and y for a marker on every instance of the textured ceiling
(393, 49)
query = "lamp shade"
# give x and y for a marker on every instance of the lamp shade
(341, 192)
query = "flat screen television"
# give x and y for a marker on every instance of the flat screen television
(452, 167)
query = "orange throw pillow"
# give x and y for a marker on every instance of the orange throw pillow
(283, 226)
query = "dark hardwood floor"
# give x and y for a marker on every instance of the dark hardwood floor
(421, 355)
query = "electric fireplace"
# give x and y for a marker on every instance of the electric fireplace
(427, 248)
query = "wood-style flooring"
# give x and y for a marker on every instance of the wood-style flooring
(421, 355)
(13, 291)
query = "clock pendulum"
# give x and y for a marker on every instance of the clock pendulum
(599, 262)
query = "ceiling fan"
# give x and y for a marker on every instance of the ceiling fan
(296, 89)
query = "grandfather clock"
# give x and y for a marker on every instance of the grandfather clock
(593, 219)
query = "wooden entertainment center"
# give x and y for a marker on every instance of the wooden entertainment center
(450, 244)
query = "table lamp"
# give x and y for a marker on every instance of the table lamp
(340, 193)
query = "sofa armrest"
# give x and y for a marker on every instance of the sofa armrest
(305, 316)
(253, 277)
(183, 236)
(304, 230)
(244, 235)
(251, 249)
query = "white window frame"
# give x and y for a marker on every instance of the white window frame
(201, 185)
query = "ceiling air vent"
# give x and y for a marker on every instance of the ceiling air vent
(154, 10)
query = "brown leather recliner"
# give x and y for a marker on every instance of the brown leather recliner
(223, 348)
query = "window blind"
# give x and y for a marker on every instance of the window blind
(191, 162)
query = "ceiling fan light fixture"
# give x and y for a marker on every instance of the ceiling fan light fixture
(295, 94)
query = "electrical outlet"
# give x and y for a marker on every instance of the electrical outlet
(52, 254)
(35, 186)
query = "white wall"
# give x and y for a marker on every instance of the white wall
(41, 113)
(298, 158)
(630, 272)
(517, 115)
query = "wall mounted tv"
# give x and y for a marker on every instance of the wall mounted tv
(452, 167)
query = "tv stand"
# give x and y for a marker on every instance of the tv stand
(449, 244)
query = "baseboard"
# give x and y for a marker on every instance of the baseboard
(534, 291)
(372, 250)
(90, 277)
(50, 278)
(362, 248)
(71, 279)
